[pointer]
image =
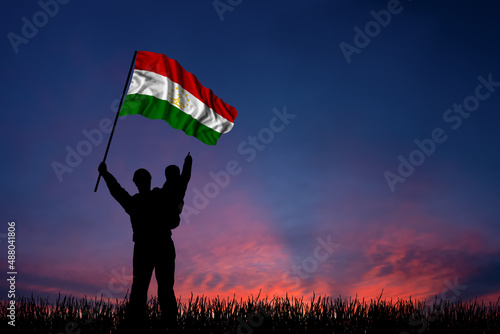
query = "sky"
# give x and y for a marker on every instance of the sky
(364, 157)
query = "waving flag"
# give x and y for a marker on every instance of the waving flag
(161, 89)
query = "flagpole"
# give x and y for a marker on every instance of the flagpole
(116, 117)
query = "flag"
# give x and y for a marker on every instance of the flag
(161, 89)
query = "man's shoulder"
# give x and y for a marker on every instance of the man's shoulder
(137, 196)
(158, 191)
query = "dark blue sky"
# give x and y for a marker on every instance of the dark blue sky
(352, 125)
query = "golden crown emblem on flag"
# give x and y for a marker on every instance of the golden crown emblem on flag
(180, 95)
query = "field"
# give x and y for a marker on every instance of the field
(261, 315)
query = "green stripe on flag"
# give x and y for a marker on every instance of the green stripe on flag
(154, 108)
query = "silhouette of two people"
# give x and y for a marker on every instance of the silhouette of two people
(153, 214)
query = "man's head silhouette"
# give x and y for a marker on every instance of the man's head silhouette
(142, 180)
(172, 172)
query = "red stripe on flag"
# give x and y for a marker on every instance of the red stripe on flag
(161, 64)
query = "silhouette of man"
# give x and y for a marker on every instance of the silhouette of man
(153, 214)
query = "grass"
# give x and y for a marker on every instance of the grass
(278, 315)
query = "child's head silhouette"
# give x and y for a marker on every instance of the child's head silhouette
(172, 172)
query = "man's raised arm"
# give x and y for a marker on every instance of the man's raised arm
(118, 193)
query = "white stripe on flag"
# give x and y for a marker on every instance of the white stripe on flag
(156, 85)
